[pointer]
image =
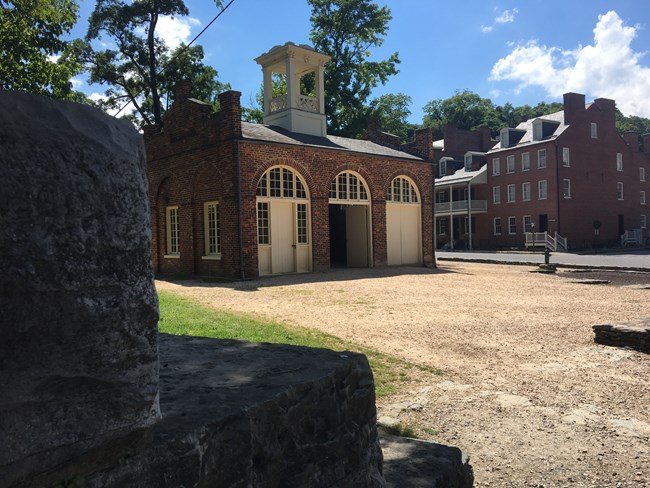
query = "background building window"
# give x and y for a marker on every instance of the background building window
(173, 245)
(594, 130)
(496, 194)
(301, 209)
(511, 193)
(525, 190)
(619, 191)
(566, 188)
(566, 157)
(443, 168)
(541, 159)
(619, 162)
(497, 226)
(512, 225)
(642, 197)
(528, 223)
(496, 167)
(211, 230)
(542, 189)
(525, 162)
(442, 226)
(510, 164)
(642, 221)
(641, 174)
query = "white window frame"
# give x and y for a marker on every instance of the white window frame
(525, 161)
(468, 162)
(594, 130)
(642, 174)
(211, 231)
(172, 241)
(643, 223)
(642, 197)
(496, 195)
(442, 170)
(542, 190)
(496, 226)
(537, 130)
(510, 164)
(512, 193)
(619, 161)
(566, 188)
(619, 190)
(526, 191)
(566, 157)
(512, 225)
(541, 159)
(496, 167)
(504, 136)
(443, 229)
(528, 223)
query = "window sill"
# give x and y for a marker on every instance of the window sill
(216, 257)
(172, 256)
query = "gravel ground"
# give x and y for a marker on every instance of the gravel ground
(525, 391)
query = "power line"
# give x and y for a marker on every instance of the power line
(185, 48)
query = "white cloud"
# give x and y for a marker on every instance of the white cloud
(98, 97)
(607, 68)
(76, 83)
(174, 31)
(505, 17)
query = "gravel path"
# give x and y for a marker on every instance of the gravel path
(525, 390)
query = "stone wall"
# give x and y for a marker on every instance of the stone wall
(635, 335)
(78, 309)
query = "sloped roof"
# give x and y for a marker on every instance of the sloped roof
(527, 126)
(463, 176)
(274, 134)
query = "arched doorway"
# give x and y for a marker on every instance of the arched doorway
(283, 222)
(350, 219)
(403, 222)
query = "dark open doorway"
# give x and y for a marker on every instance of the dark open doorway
(338, 238)
(543, 223)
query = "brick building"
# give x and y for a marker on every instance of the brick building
(231, 198)
(568, 173)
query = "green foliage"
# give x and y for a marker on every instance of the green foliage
(141, 69)
(393, 110)
(33, 56)
(347, 30)
(181, 316)
(470, 111)
(632, 123)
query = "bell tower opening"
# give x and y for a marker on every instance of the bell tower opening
(300, 107)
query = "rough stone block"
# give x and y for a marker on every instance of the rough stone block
(238, 414)
(78, 309)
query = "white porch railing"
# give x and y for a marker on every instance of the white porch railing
(632, 238)
(460, 206)
(303, 102)
(543, 239)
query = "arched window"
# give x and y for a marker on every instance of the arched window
(281, 182)
(402, 190)
(348, 186)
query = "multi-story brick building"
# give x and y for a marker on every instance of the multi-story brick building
(568, 173)
(238, 199)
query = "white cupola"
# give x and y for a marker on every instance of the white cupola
(294, 110)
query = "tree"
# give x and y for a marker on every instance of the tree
(465, 109)
(141, 70)
(33, 56)
(346, 30)
(393, 110)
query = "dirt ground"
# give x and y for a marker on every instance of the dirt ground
(524, 390)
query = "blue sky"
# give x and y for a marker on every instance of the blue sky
(519, 52)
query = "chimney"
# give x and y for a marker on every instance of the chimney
(374, 125)
(424, 143)
(486, 138)
(646, 142)
(183, 90)
(608, 109)
(230, 114)
(574, 107)
(632, 139)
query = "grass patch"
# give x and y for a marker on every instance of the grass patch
(182, 316)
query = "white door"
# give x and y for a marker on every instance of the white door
(403, 234)
(283, 248)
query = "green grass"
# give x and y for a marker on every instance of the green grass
(182, 316)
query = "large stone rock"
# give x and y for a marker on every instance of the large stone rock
(78, 309)
(240, 414)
